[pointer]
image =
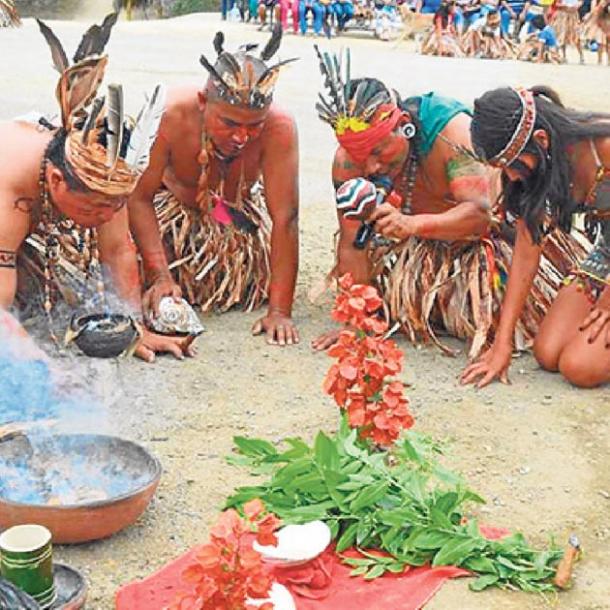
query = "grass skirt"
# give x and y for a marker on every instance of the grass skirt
(217, 266)
(445, 44)
(567, 27)
(459, 286)
(596, 28)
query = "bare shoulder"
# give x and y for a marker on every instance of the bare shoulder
(343, 167)
(456, 131)
(181, 109)
(280, 122)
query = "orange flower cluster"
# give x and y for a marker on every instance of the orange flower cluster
(228, 571)
(358, 380)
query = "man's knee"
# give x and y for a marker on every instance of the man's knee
(546, 355)
(581, 371)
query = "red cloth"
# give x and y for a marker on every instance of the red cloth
(322, 584)
(360, 144)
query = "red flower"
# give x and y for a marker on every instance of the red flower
(358, 381)
(227, 571)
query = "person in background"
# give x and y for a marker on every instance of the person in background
(540, 45)
(566, 23)
(596, 28)
(512, 12)
(344, 11)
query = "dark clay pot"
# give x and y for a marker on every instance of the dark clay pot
(103, 335)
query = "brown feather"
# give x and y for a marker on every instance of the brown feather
(60, 59)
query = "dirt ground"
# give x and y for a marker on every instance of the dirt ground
(537, 450)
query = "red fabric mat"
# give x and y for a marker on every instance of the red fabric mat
(322, 584)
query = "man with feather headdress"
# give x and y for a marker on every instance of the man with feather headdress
(228, 241)
(58, 184)
(442, 254)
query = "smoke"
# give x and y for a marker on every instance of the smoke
(43, 403)
(36, 391)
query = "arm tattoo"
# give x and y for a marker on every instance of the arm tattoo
(8, 259)
(462, 166)
(469, 179)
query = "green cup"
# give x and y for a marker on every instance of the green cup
(26, 560)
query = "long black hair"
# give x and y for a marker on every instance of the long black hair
(546, 194)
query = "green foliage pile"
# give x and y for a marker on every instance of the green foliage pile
(401, 502)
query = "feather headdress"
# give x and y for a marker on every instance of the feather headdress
(8, 14)
(107, 152)
(347, 106)
(361, 112)
(242, 78)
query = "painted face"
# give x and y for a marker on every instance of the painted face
(88, 209)
(388, 157)
(232, 127)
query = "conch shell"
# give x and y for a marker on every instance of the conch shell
(175, 318)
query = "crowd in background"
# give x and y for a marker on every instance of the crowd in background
(536, 30)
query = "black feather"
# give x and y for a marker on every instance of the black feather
(87, 43)
(219, 41)
(107, 25)
(273, 44)
(95, 38)
(268, 71)
(213, 73)
(228, 60)
(60, 59)
(250, 46)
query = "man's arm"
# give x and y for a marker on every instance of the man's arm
(349, 259)
(145, 229)
(469, 186)
(280, 168)
(14, 228)
(118, 255)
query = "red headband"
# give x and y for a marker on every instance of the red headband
(360, 144)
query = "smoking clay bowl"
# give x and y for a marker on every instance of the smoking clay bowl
(82, 487)
(103, 335)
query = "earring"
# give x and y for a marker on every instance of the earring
(408, 130)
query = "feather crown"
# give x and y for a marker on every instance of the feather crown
(242, 78)
(107, 151)
(349, 105)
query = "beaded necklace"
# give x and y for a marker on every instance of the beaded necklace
(51, 226)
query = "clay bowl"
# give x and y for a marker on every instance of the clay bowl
(102, 335)
(119, 478)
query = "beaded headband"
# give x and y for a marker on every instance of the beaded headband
(522, 133)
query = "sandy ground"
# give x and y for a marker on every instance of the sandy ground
(538, 450)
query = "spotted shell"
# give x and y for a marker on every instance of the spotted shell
(176, 318)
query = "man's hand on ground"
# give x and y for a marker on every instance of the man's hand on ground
(325, 340)
(493, 364)
(279, 328)
(151, 344)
